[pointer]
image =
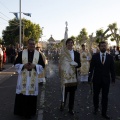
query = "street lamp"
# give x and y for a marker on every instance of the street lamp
(20, 22)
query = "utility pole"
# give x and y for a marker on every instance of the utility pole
(41, 37)
(20, 24)
(23, 33)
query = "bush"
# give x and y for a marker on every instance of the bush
(117, 68)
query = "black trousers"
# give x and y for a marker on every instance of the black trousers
(71, 90)
(104, 100)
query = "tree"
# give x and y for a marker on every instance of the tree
(0, 40)
(29, 30)
(82, 37)
(113, 28)
(90, 42)
(102, 35)
(99, 34)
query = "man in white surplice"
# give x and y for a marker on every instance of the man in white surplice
(29, 64)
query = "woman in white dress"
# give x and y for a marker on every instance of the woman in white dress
(85, 59)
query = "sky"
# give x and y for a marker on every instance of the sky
(52, 15)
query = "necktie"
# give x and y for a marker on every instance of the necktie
(103, 58)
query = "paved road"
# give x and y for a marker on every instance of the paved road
(50, 96)
(8, 80)
(83, 100)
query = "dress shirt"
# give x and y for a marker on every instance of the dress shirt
(101, 54)
(72, 54)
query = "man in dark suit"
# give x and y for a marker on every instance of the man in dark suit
(71, 82)
(100, 73)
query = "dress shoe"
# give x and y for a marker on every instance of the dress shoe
(71, 112)
(106, 117)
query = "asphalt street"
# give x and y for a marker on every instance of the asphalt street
(83, 100)
(50, 96)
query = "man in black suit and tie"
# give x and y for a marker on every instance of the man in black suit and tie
(100, 73)
(69, 62)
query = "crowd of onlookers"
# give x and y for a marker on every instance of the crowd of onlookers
(8, 54)
(2, 57)
(114, 51)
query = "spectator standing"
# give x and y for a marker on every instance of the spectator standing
(117, 52)
(4, 57)
(12, 54)
(1, 57)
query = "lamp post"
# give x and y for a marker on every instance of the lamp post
(20, 24)
(20, 21)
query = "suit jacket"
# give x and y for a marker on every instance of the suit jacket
(101, 73)
(77, 60)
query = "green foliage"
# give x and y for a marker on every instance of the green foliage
(73, 37)
(113, 26)
(115, 37)
(0, 40)
(29, 30)
(82, 37)
(117, 68)
(99, 35)
(112, 39)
